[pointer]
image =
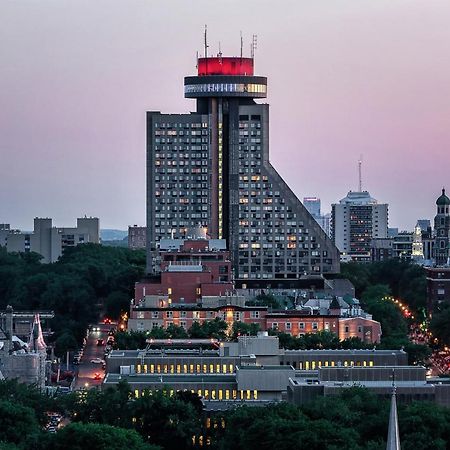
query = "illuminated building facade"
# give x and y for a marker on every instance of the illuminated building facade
(212, 167)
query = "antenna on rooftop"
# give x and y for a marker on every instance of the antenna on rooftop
(360, 173)
(253, 45)
(242, 44)
(206, 41)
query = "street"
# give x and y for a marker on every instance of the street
(86, 369)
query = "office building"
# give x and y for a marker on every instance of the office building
(49, 241)
(252, 371)
(212, 168)
(410, 382)
(355, 221)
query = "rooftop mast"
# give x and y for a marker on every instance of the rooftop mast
(360, 173)
(253, 45)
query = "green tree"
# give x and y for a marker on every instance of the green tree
(78, 436)
(64, 343)
(176, 332)
(439, 325)
(28, 396)
(241, 329)
(166, 421)
(18, 424)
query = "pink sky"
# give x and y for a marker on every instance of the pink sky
(346, 77)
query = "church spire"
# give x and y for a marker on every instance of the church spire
(393, 439)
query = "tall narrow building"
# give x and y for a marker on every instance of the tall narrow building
(442, 230)
(212, 168)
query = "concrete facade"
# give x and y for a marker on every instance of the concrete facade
(252, 371)
(49, 241)
(212, 167)
(137, 237)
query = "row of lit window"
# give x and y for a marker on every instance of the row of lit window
(313, 365)
(180, 133)
(181, 125)
(214, 394)
(185, 140)
(184, 368)
(181, 155)
(172, 149)
(225, 88)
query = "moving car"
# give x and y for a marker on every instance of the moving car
(97, 361)
(97, 376)
(100, 342)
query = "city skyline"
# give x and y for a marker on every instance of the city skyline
(79, 77)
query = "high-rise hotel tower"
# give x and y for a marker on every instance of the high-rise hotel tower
(211, 167)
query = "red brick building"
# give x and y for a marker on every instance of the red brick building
(195, 285)
(189, 270)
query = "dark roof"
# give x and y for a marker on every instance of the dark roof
(335, 303)
(443, 199)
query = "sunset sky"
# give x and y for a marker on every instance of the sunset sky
(345, 78)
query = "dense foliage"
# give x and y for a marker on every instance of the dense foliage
(113, 419)
(88, 280)
(403, 278)
(375, 286)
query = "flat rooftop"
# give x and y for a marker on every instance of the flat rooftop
(168, 378)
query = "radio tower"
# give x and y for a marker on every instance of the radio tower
(360, 174)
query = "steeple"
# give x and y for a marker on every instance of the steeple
(393, 439)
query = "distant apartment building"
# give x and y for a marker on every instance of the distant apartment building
(212, 167)
(438, 287)
(355, 221)
(403, 245)
(381, 249)
(49, 241)
(137, 237)
(312, 204)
